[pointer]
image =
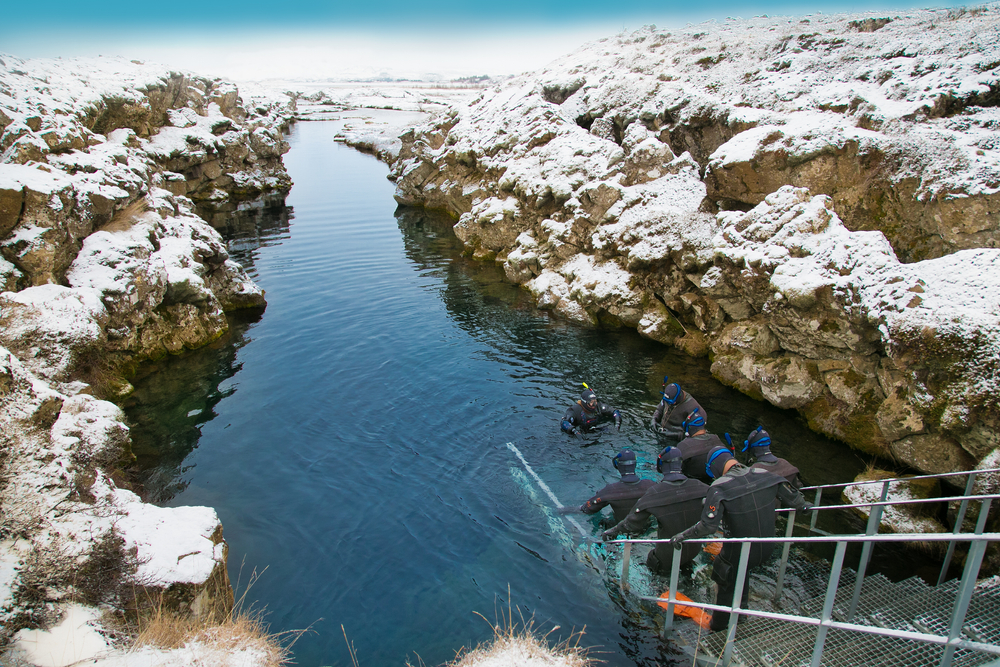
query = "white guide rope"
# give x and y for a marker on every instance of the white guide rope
(544, 487)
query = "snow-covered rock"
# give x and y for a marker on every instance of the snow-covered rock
(913, 518)
(103, 160)
(105, 264)
(67, 532)
(815, 201)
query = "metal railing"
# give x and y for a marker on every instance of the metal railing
(825, 622)
(875, 518)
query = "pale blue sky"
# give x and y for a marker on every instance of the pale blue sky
(257, 39)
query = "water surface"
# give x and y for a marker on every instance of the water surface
(353, 439)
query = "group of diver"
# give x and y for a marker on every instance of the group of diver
(704, 488)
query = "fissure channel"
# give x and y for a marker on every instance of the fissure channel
(354, 439)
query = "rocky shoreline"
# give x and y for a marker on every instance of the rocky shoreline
(104, 265)
(813, 202)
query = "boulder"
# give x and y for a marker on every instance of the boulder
(916, 518)
(52, 327)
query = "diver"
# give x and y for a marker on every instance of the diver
(587, 413)
(675, 501)
(668, 418)
(623, 494)
(759, 444)
(743, 500)
(696, 446)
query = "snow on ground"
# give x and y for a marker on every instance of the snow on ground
(79, 638)
(520, 650)
(372, 113)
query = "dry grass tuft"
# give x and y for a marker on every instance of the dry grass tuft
(125, 218)
(244, 631)
(241, 630)
(519, 643)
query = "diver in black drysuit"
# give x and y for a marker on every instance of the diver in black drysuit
(587, 413)
(696, 446)
(676, 502)
(676, 404)
(759, 444)
(621, 495)
(743, 500)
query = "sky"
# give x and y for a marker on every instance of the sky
(331, 39)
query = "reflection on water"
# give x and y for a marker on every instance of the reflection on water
(353, 439)
(255, 225)
(484, 304)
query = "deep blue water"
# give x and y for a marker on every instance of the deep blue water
(353, 438)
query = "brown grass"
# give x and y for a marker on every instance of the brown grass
(245, 630)
(241, 629)
(520, 643)
(125, 218)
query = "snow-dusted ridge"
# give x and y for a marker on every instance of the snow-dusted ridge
(105, 264)
(747, 189)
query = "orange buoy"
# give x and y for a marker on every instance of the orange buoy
(697, 615)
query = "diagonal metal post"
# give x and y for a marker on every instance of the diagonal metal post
(968, 585)
(741, 575)
(959, 518)
(831, 595)
(780, 581)
(874, 519)
(815, 515)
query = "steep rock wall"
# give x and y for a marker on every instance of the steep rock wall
(746, 190)
(104, 263)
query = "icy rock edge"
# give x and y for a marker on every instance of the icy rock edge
(813, 202)
(104, 263)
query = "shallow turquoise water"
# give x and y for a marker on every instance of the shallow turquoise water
(353, 439)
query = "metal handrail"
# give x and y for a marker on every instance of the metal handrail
(901, 479)
(908, 501)
(855, 538)
(951, 642)
(875, 517)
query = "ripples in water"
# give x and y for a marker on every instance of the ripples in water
(353, 439)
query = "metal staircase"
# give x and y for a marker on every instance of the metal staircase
(910, 605)
(840, 617)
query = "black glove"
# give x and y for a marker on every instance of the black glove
(609, 535)
(677, 541)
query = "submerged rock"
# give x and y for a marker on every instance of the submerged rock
(746, 190)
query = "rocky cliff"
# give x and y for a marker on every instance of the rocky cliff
(811, 201)
(104, 263)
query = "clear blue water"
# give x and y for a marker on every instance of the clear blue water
(353, 438)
